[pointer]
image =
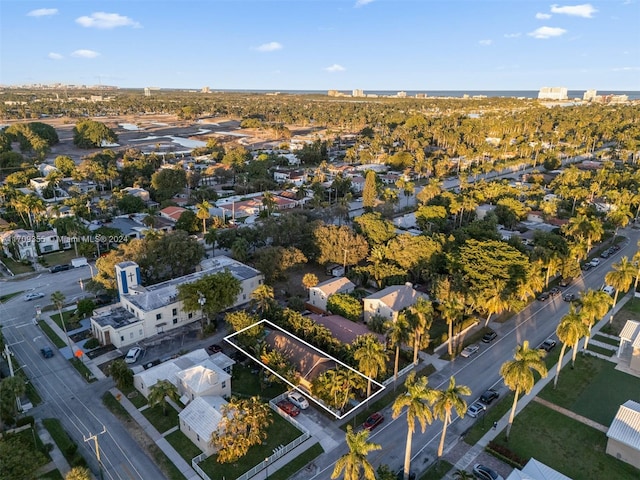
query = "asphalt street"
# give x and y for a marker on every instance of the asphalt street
(480, 372)
(66, 396)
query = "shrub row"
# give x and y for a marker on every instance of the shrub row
(505, 454)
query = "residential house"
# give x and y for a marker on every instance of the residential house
(319, 294)
(295, 177)
(630, 343)
(141, 193)
(343, 329)
(145, 379)
(147, 311)
(204, 379)
(623, 436)
(172, 213)
(200, 419)
(38, 184)
(388, 302)
(536, 470)
(23, 244)
(131, 226)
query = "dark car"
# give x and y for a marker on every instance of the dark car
(543, 296)
(489, 336)
(548, 345)
(289, 408)
(482, 472)
(569, 297)
(586, 267)
(489, 396)
(47, 352)
(606, 254)
(555, 291)
(565, 282)
(102, 299)
(215, 348)
(59, 268)
(373, 421)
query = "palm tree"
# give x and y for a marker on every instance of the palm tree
(159, 392)
(121, 373)
(494, 300)
(416, 401)
(16, 388)
(451, 309)
(583, 227)
(269, 202)
(518, 374)
(462, 475)
(264, 298)
(211, 236)
(355, 461)
(420, 322)
(446, 400)
(398, 334)
(570, 330)
(594, 304)
(203, 214)
(372, 359)
(636, 262)
(78, 473)
(620, 278)
(58, 299)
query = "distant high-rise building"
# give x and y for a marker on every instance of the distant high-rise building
(553, 93)
(147, 92)
(357, 93)
(589, 95)
(205, 90)
(402, 95)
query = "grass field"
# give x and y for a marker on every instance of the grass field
(607, 352)
(607, 340)
(70, 321)
(437, 471)
(593, 389)
(134, 396)
(57, 341)
(8, 296)
(185, 447)
(16, 267)
(295, 465)
(159, 420)
(564, 444)
(629, 311)
(246, 384)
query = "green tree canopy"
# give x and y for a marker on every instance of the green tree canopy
(168, 182)
(345, 305)
(92, 134)
(340, 245)
(219, 292)
(375, 229)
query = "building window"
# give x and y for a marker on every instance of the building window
(175, 312)
(175, 321)
(224, 384)
(122, 338)
(158, 316)
(244, 296)
(191, 315)
(140, 332)
(198, 437)
(131, 335)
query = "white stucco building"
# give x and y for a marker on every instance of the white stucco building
(390, 301)
(200, 419)
(147, 311)
(319, 294)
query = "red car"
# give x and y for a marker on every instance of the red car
(373, 421)
(289, 408)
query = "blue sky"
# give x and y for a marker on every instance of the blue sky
(320, 45)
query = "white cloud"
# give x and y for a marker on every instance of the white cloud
(512, 35)
(626, 69)
(543, 16)
(55, 56)
(585, 10)
(269, 47)
(547, 32)
(485, 43)
(42, 12)
(335, 68)
(106, 20)
(82, 53)
(362, 3)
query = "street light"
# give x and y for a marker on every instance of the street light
(266, 468)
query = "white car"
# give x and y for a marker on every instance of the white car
(133, 355)
(32, 296)
(595, 262)
(298, 400)
(476, 409)
(470, 350)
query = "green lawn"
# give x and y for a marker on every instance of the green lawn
(280, 432)
(71, 322)
(159, 420)
(83, 370)
(52, 475)
(166, 465)
(607, 352)
(8, 296)
(629, 311)
(57, 341)
(134, 396)
(564, 444)
(494, 413)
(66, 445)
(607, 340)
(114, 406)
(16, 267)
(247, 384)
(298, 463)
(437, 471)
(593, 389)
(58, 258)
(185, 447)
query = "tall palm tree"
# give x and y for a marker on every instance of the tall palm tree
(494, 300)
(16, 388)
(420, 321)
(264, 298)
(636, 262)
(159, 392)
(78, 473)
(444, 402)
(372, 359)
(415, 400)
(569, 331)
(620, 278)
(58, 298)
(593, 305)
(203, 214)
(583, 227)
(451, 309)
(518, 374)
(355, 461)
(398, 334)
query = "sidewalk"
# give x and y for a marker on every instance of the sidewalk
(57, 458)
(469, 457)
(159, 440)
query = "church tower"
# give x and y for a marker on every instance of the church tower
(127, 277)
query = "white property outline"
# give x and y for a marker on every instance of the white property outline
(295, 387)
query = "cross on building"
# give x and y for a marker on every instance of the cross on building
(131, 277)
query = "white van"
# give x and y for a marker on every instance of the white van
(608, 289)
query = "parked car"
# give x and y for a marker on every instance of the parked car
(215, 348)
(289, 408)
(47, 352)
(32, 296)
(133, 355)
(608, 289)
(489, 396)
(469, 350)
(594, 262)
(489, 336)
(482, 472)
(555, 291)
(606, 254)
(569, 297)
(59, 268)
(298, 400)
(548, 345)
(565, 282)
(586, 267)
(543, 296)
(373, 421)
(476, 409)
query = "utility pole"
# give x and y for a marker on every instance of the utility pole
(97, 446)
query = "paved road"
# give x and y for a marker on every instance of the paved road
(66, 396)
(535, 323)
